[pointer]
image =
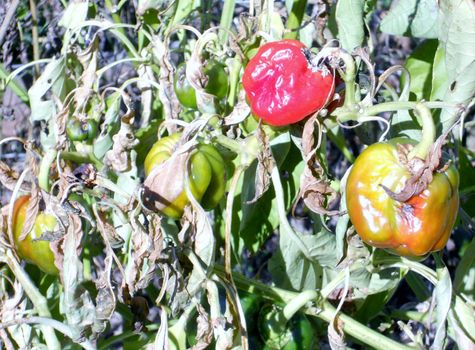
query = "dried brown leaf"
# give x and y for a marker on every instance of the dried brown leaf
(105, 299)
(316, 193)
(31, 212)
(165, 183)
(240, 111)
(265, 164)
(204, 333)
(421, 171)
(9, 178)
(171, 106)
(118, 158)
(314, 185)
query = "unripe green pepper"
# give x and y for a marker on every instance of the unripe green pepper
(278, 333)
(416, 227)
(217, 83)
(207, 177)
(37, 252)
(81, 130)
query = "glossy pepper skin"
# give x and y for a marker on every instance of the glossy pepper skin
(207, 175)
(217, 83)
(282, 86)
(78, 130)
(414, 228)
(36, 252)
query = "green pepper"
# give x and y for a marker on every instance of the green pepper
(278, 333)
(37, 252)
(81, 130)
(207, 177)
(217, 83)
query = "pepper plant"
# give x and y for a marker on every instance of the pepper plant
(258, 175)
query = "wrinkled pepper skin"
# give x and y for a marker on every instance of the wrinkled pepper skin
(419, 226)
(282, 86)
(207, 175)
(35, 252)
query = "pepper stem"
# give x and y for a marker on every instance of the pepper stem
(298, 302)
(421, 150)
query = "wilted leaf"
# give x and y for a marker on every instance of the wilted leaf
(52, 79)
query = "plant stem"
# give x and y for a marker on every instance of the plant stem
(401, 105)
(45, 167)
(81, 158)
(323, 310)
(38, 300)
(19, 90)
(349, 78)
(421, 150)
(295, 19)
(234, 79)
(298, 302)
(230, 144)
(357, 330)
(34, 34)
(226, 20)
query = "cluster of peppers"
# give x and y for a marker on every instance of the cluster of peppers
(283, 86)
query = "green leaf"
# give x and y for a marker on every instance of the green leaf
(420, 66)
(75, 14)
(351, 27)
(416, 283)
(417, 18)
(366, 283)
(53, 79)
(440, 83)
(258, 220)
(460, 91)
(397, 20)
(467, 186)
(290, 269)
(462, 320)
(464, 282)
(457, 35)
(443, 296)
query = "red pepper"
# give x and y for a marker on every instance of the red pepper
(283, 86)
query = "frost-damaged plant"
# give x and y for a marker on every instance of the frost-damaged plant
(118, 210)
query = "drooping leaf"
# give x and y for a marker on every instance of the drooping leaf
(53, 79)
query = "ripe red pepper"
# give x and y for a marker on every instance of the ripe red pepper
(420, 225)
(283, 86)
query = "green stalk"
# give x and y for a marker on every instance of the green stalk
(349, 78)
(234, 80)
(226, 20)
(45, 167)
(358, 330)
(421, 150)
(39, 301)
(295, 19)
(323, 310)
(81, 158)
(298, 303)
(19, 90)
(404, 105)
